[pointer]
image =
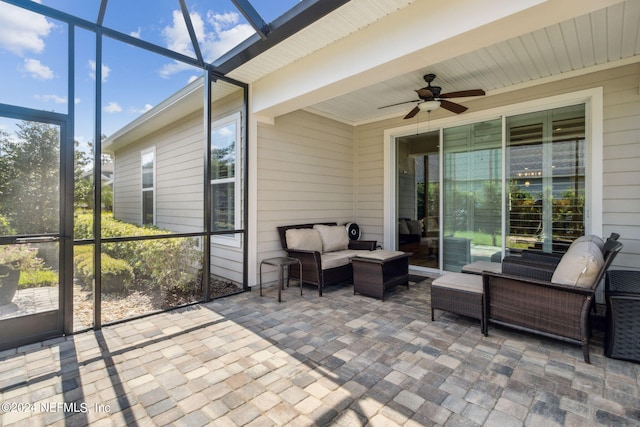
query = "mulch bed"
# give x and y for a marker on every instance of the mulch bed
(119, 307)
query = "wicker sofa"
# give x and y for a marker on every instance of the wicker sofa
(325, 251)
(556, 304)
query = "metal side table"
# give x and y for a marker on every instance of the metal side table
(281, 263)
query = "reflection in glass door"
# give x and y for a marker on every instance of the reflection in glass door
(418, 196)
(546, 178)
(30, 177)
(472, 195)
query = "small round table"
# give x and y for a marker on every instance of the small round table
(281, 262)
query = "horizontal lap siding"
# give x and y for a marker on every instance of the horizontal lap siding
(179, 182)
(621, 204)
(305, 174)
(621, 177)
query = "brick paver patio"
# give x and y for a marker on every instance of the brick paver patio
(337, 360)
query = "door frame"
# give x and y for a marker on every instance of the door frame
(40, 326)
(594, 117)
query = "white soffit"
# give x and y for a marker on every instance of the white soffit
(346, 20)
(386, 46)
(605, 37)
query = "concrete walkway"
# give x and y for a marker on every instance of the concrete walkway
(337, 360)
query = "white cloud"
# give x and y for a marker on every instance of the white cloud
(21, 30)
(38, 71)
(176, 35)
(136, 34)
(192, 79)
(105, 70)
(54, 98)
(144, 109)
(167, 70)
(113, 107)
(218, 35)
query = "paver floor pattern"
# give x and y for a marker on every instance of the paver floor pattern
(340, 359)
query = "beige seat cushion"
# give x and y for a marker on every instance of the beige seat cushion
(306, 239)
(334, 237)
(337, 259)
(380, 254)
(580, 265)
(460, 281)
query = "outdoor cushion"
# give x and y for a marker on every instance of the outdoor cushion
(403, 228)
(415, 227)
(380, 254)
(459, 281)
(580, 265)
(589, 238)
(334, 237)
(306, 239)
(337, 259)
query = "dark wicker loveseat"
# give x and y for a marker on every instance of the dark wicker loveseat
(312, 260)
(541, 306)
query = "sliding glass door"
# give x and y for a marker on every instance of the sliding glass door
(542, 185)
(546, 178)
(472, 193)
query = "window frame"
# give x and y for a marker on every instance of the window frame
(594, 131)
(232, 240)
(146, 151)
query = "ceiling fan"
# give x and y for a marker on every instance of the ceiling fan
(431, 98)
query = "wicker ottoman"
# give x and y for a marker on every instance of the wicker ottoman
(622, 294)
(459, 293)
(376, 271)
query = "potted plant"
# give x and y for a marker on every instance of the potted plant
(13, 258)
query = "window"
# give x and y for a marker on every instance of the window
(225, 185)
(148, 162)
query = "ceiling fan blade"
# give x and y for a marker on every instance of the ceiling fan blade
(463, 93)
(424, 93)
(452, 106)
(400, 103)
(412, 113)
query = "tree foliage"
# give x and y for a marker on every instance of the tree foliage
(30, 177)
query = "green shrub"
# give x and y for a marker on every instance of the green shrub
(157, 264)
(37, 279)
(83, 265)
(117, 274)
(5, 227)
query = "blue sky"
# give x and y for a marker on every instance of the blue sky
(33, 55)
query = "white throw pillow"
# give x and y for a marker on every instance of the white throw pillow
(334, 237)
(580, 265)
(306, 239)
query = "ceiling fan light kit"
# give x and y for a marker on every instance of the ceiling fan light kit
(431, 98)
(429, 105)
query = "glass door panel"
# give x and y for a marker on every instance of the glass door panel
(30, 291)
(418, 195)
(471, 225)
(546, 178)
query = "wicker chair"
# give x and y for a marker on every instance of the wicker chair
(542, 307)
(311, 261)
